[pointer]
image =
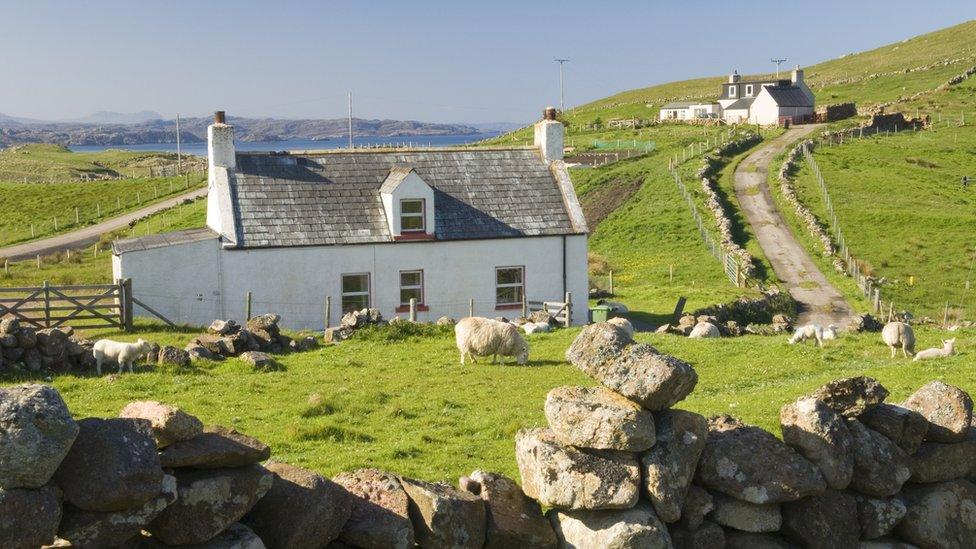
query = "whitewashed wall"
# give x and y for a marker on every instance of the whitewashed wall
(196, 283)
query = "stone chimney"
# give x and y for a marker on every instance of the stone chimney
(797, 75)
(734, 77)
(220, 143)
(549, 136)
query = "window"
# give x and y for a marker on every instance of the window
(749, 89)
(355, 292)
(509, 285)
(411, 287)
(732, 91)
(412, 216)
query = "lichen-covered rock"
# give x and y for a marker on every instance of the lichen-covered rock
(236, 536)
(826, 520)
(112, 466)
(216, 447)
(938, 462)
(36, 432)
(112, 529)
(596, 345)
(565, 477)
(257, 359)
(29, 517)
(698, 503)
(653, 380)
(745, 516)
(707, 536)
(613, 529)
(380, 510)
(302, 509)
(596, 417)
(513, 519)
(751, 464)
(820, 435)
(880, 466)
(948, 409)
(852, 396)
(878, 516)
(669, 466)
(906, 428)
(172, 356)
(169, 423)
(208, 501)
(940, 515)
(445, 517)
(734, 539)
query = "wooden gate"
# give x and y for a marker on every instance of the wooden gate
(78, 306)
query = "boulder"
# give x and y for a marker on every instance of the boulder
(29, 517)
(266, 322)
(198, 352)
(214, 344)
(878, 516)
(698, 503)
(596, 417)
(51, 342)
(864, 323)
(596, 345)
(618, 529)
(26, 337)
(380, 510)
(880, 466)
(669, 466)
(821, 435)
(938, 462)
(8, 341)
(513, 519)
(571, 478)
(33, 360)
(852, 396)
(152, 356)
(112, 529)
(826, 520)
(216, 447)
(445, 517)
(257, 360)
(735, 539)
(948, 409)
(745, 516)
(208, 502)
(112, 466)
(708, 536)
(751, 464)
(939, 515)
(302, 509)
(36, 432)
(445, 321)
(169, 423)
(906, 428)
(9, 324)
(224, 327)
(172, 356)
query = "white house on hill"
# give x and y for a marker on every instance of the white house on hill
(370, 228)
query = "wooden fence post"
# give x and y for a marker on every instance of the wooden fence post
(471, 307)
(611, 282)
(47, 305)
(247, 307)
(126, 290)
(328, 312)
(569, 309)
(525, 306)
(413, 309)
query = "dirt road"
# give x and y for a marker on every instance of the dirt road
(819, 301)
(86, 236)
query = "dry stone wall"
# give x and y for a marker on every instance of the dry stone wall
(617, 466)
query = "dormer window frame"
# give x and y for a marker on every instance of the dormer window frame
(748, 90)
(422, 215)
(732, 90)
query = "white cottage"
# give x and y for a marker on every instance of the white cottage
(370, 228)
(767, 102)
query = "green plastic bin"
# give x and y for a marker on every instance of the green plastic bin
(600, 313)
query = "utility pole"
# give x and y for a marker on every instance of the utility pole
(778, 63)
(350, 120)
(179, 150)
(562, 102)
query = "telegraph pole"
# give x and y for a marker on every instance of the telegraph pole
(562, 105)
(778, 63)
(350, 120)
(179, 151)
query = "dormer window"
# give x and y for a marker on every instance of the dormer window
(748, 90)
(413, 216)
(732, 91)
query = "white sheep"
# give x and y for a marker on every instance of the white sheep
(477, 336)
(536, 327)
(830, 333)
(123, 353)
(899, 334)
(705, 329)
(812, 332)
(624, 325)
(948, 348)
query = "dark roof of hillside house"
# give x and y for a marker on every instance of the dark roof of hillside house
(756, 84)
(317, 199)
(149, 242)
(792, 96)
(743, 104)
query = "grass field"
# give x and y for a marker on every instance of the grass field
(45, 163)
(408, 406)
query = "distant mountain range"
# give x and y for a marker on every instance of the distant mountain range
(147, 127)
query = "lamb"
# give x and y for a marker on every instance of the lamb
(705, 329)
(123, 353)
(948, 348)
(484, 336)
(623, 324)
(899, 334)
(808, 331)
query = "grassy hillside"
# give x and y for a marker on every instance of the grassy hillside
(54, 163)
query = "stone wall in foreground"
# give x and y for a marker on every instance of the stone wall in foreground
(617, 466)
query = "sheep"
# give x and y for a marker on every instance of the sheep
(705, 329)
(830, 333)
(948, 348)
(624, 325)
(123, 353)
(615, 306)
(536, 327)
(899, 334)
(484, 336)
(808, 331)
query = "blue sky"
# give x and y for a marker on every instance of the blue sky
(452, 61)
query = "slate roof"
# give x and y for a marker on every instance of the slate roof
(315, 199)
(792, 96)
(743, 104)
(678, 105)
(149, 242)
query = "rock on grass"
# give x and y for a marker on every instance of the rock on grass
(596, 417)
(216, 447)
(169, 423)
(948, 409)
